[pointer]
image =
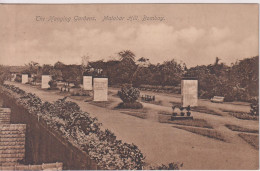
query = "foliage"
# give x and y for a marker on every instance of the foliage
(237, 82)
(52, 84)
(33, 67)
(170, 166)
(244, 115)
(128, 94)
(254, 107)
(67, 118)
(56, 74)
(4, 74)
(46, 69)
(72, 74)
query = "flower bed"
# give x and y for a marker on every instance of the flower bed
(84, 130)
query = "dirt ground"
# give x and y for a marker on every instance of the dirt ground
(162, 143)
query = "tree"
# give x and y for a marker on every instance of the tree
(33, 67)
(72, 74)
(56, 74)
(126, 67)
(4, 74)
(126, 55)
(46, 69)
(59, 65)
(33, 70)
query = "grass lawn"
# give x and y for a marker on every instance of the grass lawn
(82, 98)
(175, 103)
(153, 102)
(240, 129)
(140, 113)
(164, 113)
(195, 122)
(104, 104)
(204, 132)
(253, 140)
(136, 114)
(203, 109)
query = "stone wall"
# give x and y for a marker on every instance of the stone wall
(12, 141)
(45, 145)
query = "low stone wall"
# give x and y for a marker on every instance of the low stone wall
(45, 145)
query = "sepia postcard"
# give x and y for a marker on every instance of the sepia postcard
(129, 86)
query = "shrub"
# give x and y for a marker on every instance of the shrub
(254, 107)
(53, 84)
(128, 94)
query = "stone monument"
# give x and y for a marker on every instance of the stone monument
(87, 82)
(189, 92)
(45, 81)
(100, 89)
(24, 78)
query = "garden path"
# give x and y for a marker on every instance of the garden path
(161, 143)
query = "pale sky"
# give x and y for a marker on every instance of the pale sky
(193, 33)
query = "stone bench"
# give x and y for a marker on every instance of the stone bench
(217, 99)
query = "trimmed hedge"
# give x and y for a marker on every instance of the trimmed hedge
(84, 130)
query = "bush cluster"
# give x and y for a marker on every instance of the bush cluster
(84, 130)
(128, 94)
(53, 84)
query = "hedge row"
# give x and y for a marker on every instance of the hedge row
(84, 130)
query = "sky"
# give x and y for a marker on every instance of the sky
(191, 33)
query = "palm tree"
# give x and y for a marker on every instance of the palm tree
(126, 54)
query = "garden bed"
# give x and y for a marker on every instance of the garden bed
(194, 122)
(241, 129)
(205, 110)
(204, 132)
(253, 140)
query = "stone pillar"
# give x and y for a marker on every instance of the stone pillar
(189, 92)
(100, 89)
(24, 78)
(87, 82)
(45, 81)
